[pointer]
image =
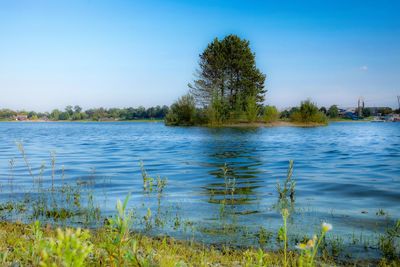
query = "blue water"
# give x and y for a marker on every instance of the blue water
(345, 172)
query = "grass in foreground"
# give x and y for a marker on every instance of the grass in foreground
(32, 245)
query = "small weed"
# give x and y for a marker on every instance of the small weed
(289, 185)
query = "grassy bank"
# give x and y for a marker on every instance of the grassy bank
(33, 245)
(24, 245)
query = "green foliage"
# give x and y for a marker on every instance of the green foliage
(308, 113)
(77, 113)
(289, 185)
(218, 110)
(309, 249)
(366, 112)
(389, 244)
(385, 111)
(69, 248)
(252, 109)
(120, 246)
(148, 181)
(285, 216)
(182, 112)
(7, 114)
(333, 111)
(228, 73)
(271, 114)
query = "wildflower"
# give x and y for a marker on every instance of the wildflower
(311, 243)
(326, 227)
(301, 246)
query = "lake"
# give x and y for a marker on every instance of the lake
(347, 174)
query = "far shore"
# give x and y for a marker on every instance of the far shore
(83, 121)
(259, 124)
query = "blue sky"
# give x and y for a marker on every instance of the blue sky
(129, 53)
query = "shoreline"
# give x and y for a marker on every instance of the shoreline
(279, 123)
(82, 121)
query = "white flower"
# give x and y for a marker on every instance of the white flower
(326, 227)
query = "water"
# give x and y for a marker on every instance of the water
(345, 172)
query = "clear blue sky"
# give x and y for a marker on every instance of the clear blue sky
(129, 53)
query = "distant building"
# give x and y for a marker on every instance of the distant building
(21, 118)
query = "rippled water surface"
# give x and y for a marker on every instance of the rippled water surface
(345, 172)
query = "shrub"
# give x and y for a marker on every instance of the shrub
(69, 248)
(271, 114)
(182, 112)
(308, 113)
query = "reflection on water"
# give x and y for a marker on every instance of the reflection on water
(345, 173)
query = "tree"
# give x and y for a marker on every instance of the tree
(385, 110)
(323, 110)
(182, 112)
(228, 73)
(366, 112)
(77, 109)
(32, 115)
(64, 116)
(69, 110)
(333, 111)
(55, 115)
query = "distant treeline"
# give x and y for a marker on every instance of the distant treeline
(96, 114)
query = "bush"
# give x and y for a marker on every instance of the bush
(308, 113)
(182, 112)
(69, 248)
(271, 114)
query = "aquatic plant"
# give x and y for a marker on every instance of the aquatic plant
(389, 243)
(263, 236)
(147, 180)
(230, 183)
(11, 177)
(289, 185)
(24, 157)
(53, 169)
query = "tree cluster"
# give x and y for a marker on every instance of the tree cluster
(96, 114)
(228, 85)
